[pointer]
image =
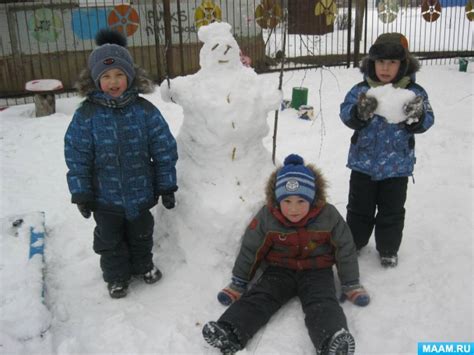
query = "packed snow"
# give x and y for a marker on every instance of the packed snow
(220, 145)
(390, 102)
(427, 297)
(43, 85)
(24, 315)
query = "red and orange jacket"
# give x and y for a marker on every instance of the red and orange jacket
(322, 239)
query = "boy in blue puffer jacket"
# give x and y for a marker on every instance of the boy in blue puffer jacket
(121, 157)
(382, 154)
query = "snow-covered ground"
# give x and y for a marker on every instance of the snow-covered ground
(428, 297)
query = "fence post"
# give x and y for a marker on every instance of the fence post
(359, 21)
(181, 54)
(156, 29)
(168, 45)
(349, 32)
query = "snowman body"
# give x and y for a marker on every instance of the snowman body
(223, 165)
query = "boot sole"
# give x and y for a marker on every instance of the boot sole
(152, 279)
(215, 336)
(116, 295)
(342, 344)
(119, 293)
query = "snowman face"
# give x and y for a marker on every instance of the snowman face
(220, 53)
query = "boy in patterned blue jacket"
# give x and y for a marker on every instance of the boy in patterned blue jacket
(121, 157)
(382, 154)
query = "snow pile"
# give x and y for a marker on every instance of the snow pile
(223, 163)
(43, 85)
(391, 101)
(428, 297)
(23, 314)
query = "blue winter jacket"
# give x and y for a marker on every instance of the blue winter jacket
(378, 148)
(121, 155)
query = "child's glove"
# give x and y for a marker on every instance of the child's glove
(168, 200)
(232, 291)
(413, 110)
(85, 211)
(355, 293)
(366, 106)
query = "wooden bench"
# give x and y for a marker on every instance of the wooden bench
(44, 90)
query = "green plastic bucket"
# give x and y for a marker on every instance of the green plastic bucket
(299, 97)
(463, 64)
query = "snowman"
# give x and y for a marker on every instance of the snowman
(223, 165)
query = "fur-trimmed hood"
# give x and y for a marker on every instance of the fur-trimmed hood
(408, 67)
(142, 83)
(321, 186)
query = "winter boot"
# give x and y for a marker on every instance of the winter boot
(221, 336)
(341, 343)
(117, 289)
(389, 260)
(152, 276)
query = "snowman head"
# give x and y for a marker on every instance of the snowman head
(220, 51)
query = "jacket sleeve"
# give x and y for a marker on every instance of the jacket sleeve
(427, 118)
(346, 255)
(79, 155)
(253, 249)
(348, 108)
(163, 151)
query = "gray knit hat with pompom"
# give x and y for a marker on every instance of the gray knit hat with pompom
(111, 53)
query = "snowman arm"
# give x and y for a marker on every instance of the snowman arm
(170, 90)
(271, 99)
(165, 91)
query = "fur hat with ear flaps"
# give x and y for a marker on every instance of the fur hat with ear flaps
(294, 168)
(390, 46)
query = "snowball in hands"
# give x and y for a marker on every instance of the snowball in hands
(391, 101)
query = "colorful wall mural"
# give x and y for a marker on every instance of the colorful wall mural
(72, 27)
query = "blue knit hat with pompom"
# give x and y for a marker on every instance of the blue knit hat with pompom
(294, 178)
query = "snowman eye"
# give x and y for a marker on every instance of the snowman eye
(217, 45)
(228, 47)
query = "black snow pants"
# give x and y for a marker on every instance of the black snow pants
(315, 289)
(124, 246)
(378, 204)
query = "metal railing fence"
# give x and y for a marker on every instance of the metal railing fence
(53, 38)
